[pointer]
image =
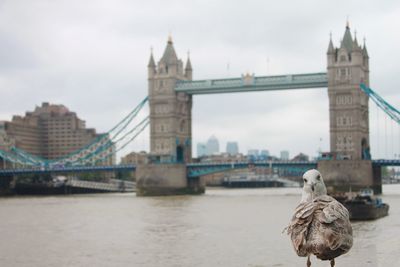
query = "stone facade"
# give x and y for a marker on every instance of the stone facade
(348, 66)
(350, 175)
(170, 112)
(135, 158)
(50, 131)
(170, 130)
(351, 167)
(166, 179)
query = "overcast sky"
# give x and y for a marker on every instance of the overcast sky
(92, 55)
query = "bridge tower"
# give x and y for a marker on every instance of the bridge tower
(170, 130)
(348, 66)
(170, 112)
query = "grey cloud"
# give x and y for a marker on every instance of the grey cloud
(92, 57)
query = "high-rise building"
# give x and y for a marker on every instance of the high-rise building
(264, 153)
(212, 145)
(284, 155)
(201, 150)
(50, 132)
(253, 152)
(232, 148)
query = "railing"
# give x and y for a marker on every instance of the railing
(200, 169)
(126, 167)
(194, 169)
(112, 186)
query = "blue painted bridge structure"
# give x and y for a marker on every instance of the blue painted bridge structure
(251, 83)
(170, 98)
(193, 169)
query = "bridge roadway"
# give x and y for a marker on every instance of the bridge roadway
(194, 169)
(251, 83)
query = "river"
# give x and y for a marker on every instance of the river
(224, 227)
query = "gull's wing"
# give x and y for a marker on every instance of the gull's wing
(334, 224)
(320, 226)
(298, 227)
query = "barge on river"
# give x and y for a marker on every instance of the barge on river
(364, 205)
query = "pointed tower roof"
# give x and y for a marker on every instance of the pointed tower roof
(331, 49)
(169, 56)
(356, 47)
(151, 64)
(365, 52)
(188, 63)
(355, 43)
(347, 41)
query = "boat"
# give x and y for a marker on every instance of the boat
(364, 205)
(249, 180)
(60, 185)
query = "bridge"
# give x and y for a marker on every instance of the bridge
(251, 83)
(193, 169)
(170, 96)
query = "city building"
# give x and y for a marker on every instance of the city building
(212, 145)
(232, 148)
(301, 157)
(51, 132)
(135, 158)
(253, 152)
(264, 153)
(201, 150)
(284, 155)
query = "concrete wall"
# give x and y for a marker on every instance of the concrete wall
(343, 175)
(6, 184)
(165, 179)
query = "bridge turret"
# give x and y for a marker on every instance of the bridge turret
(188, 69)
(169, 64)
(348, 105)
(151, 67)
(356, 53)
(365, 56)
(331, 53)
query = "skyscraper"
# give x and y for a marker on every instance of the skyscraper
(252, 152)
(264, 153)
(212, 145)
(284, 155)
(232, 148)
(201, 149)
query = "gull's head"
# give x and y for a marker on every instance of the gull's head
(313, 183)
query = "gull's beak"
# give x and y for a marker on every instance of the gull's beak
(312, 187)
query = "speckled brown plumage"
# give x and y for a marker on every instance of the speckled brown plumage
(320, 224)
(321, 227)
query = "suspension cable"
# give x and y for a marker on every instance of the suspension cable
(386, 137)
(110, 143)
(377, 135)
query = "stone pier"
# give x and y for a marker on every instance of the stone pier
(162, 179)
(6, 185)
(346, 175)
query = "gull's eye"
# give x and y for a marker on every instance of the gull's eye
(305, 180)
(319, 177)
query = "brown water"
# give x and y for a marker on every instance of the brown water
(226, 228)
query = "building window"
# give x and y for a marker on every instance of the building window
(182, 126)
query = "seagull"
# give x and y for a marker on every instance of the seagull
(320, 224)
